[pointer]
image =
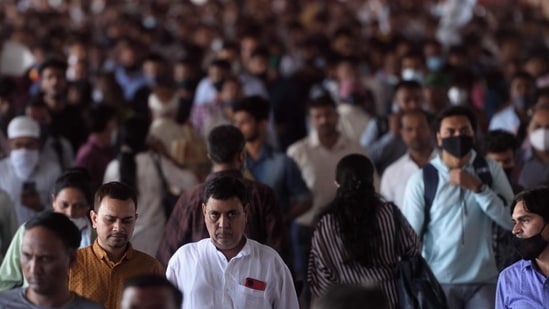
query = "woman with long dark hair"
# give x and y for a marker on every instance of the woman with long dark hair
(354, 240)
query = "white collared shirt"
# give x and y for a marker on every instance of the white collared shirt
(395, 178)
(208, 280)
(318, 166)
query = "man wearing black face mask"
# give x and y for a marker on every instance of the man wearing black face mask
(456, 223)
(501, 146)
(523, 284)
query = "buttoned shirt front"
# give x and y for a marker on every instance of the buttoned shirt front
(521, 285)
(255, 278)
(96, 277)
(318, 164)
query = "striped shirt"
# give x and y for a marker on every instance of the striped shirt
(327, 266)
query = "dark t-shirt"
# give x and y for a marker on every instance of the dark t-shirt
(15, 299)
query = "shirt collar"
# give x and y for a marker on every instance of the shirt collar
(265, 152)
(101, 254)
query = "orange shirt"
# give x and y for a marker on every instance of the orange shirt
(96, 277)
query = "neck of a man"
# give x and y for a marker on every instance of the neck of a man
(231, 253)
(421, 156)
(54, 103)
(114, 254)
(328, 140)
(455, 162)
(222, 167)
(543, 156)
(542, 262)
(58, 300)
(253, 148)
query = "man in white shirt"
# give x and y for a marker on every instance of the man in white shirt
(229, 270)
(416, 133)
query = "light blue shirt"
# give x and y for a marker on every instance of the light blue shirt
(458, 241)
(521, 285)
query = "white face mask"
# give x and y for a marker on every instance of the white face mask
(411, 74)
(539, 139)
(457, 96)
(81, 223)
(24, 162)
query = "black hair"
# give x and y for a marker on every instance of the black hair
(256, 106)
(60, 225)
(133, 135)
(55, 63)
(353, 297)
(115, 190)
(260, 51)
(355, 207)
(154, 280)
(99, 117)
(457, 111)
(222, 64)
(224, 188)
(523, 75)
(535, 201)
(408, 84)
(499, 141)
(7, 87)
(322, 101)
(418, 112)
(76, 178)
(225, 142)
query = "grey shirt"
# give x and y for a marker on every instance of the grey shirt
(15, 299)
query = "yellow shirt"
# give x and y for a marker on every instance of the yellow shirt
(96, 277)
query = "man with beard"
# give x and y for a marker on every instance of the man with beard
(66, 120)
(102, 268)
(456, 222)
(415, 131)
(523, 284)
(317, 156)
(48, 250)
(273, 168)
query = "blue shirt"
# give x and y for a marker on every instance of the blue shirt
(280, 172)
(458, 242)
(522, 286)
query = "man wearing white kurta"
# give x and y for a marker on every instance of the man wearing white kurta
(229, 270)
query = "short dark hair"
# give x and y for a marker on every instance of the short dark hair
(457, 111)
(222, 64)
(499, 141)
(54, 63)
(256, 106)
(322, 101)
(352, 297)
(115, 190)
(417, 112)
(408, 84)
(60, 225)
(224, 188)
(535, 201)
(154, 280)
(99, 117)
(224, 143)
(75, 177)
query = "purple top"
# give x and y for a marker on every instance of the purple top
(522, 285)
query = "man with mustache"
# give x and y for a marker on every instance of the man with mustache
(229, 270)
(102, 268)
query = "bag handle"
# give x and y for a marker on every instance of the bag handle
(397, 224)
(156, 160)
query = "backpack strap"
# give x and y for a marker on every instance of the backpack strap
(481, 169)
(430, 184)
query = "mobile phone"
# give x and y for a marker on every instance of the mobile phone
(29, 187)
(255, 284)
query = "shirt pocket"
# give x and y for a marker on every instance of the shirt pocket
(249, 298)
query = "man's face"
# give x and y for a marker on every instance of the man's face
(148, 298)
(324, 119)
(29, 143)
(454, 126)
(540, 119)
(505, 159)
(53, 81)
(45, 261)
(114, 221)
(520, 87)
(415, 132)
(527, 224)
(250, 128)
(71, 202)
(225, 221)
(409, 98)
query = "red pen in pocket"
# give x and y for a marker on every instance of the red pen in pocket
(254, 284)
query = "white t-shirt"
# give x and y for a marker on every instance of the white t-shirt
(208, 280)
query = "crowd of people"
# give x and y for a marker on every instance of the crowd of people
(257, 154)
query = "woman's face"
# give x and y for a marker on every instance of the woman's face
(71, 202)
